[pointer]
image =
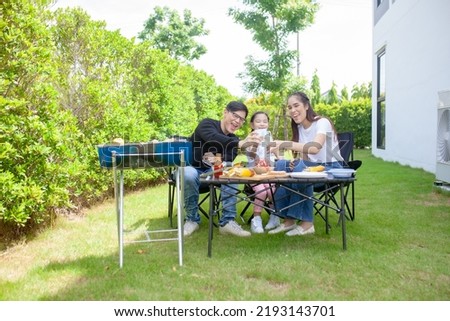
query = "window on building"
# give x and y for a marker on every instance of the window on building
(379, 9)
(381, 99)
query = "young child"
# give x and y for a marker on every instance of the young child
(259, 122)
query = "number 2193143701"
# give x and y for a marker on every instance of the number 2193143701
(292, 311)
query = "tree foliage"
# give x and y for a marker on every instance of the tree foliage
(271, 22)
(316, 94)
(167, 31)
(344, 94)
(362, 91)
(68, 85)
(332, 95)
(35, 133)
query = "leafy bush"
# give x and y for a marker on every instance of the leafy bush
(354, 116)
(34, 132)
(70, 87)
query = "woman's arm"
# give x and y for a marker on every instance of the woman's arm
(312, 147)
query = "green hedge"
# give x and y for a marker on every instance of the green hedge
(68, 85)
(354, 116)
(35, 134)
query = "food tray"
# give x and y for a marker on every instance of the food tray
(257, 177)
(342, 172)
(309, 174)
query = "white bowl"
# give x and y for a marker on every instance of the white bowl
(262, 169)
(341, 172)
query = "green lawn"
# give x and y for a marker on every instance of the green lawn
(398, 249)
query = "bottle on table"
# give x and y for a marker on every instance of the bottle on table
(218, 166)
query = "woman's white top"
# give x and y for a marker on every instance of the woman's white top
(330, 149)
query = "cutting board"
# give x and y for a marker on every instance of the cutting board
(258, 177)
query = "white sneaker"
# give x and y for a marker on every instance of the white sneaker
(256, 225)
(300, 231)
(274, 221)
(233, 228)
(190, 227)
(282, 228)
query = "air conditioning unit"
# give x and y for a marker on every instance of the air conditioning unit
(443, 137)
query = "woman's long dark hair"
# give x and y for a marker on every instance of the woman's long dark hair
(311, 115)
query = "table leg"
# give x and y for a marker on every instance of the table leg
(343, 218)
(121, 214)
(211, 218)
(327, 201)
(116, 195)
(180, 211)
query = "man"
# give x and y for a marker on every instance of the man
(216, 137)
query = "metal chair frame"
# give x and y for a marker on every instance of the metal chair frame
(204, 196)
(327, 192)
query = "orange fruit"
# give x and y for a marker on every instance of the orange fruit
(245, 172)
(318, 168)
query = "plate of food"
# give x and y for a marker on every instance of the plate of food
(306, 174)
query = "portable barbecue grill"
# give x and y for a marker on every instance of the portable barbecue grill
(143, 155)
(147, 155)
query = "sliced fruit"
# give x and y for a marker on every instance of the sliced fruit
(319, 168)
(245, 172)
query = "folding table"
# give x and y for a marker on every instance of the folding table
(277, 182)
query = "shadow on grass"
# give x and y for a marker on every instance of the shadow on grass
(151, 271)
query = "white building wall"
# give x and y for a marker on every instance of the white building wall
(416, 35)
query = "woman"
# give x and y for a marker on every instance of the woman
(314, 138)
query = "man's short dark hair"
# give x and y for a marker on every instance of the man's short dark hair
(237, 106)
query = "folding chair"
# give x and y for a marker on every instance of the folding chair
(204, 196)
(327, 192)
